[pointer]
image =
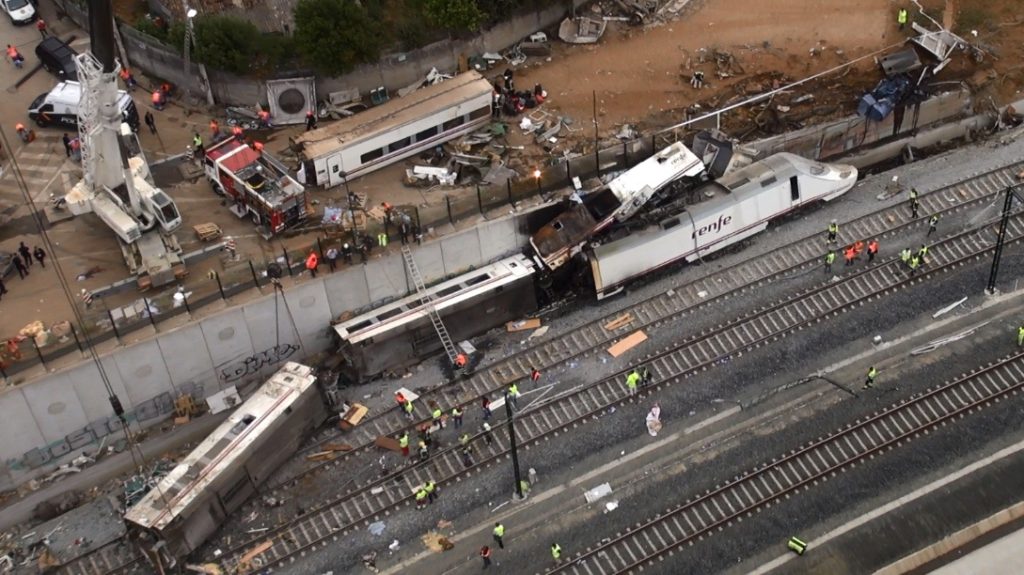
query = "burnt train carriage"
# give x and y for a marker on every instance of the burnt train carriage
(400, 334)
(192, 501)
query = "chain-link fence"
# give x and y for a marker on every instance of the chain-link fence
(103, 323)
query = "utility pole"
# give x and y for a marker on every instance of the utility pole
(512, 444)
(190, 13)
(997, 254)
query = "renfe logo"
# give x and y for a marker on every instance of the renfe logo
(713, 227)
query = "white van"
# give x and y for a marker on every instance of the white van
(19, 11)
(59, 107)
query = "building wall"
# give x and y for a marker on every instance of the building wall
(57, 416)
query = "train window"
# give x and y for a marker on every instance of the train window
(557, 225)
(426, 134)
(769, 181)
(371, 155)
(359, 326)
(389, 314)
(403, 143)
(740, 182)
(669, 224)
(477, 279)
(449, 291)
(480, 113)
(794, 189)
(453, 123)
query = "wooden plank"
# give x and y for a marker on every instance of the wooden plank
(522, 325)
(355, 414)
(627, 343)
(389, 443)
(618, 322)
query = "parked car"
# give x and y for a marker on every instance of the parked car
(57, 57)
(19, 11)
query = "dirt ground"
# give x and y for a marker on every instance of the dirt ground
(639, 75)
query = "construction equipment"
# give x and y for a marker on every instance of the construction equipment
(117, 185)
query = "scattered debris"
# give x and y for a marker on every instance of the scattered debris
(272, 502)
(611, 506)
(540, 331)
(622, 320)
(522, 325)
(437, 542)
(207, 568)
(394, 545)
(430, 174)
(627, 343)
(377, 528)
(247, 563)
(224, 400)
(353, 416)
(603, 490)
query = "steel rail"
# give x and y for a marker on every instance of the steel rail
(334, 518)
(798, 469)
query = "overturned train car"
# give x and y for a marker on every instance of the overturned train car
(401, 333)
(744, 202)
(216, 478)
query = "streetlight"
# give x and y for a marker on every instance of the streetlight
(536, 176)
(190, 13)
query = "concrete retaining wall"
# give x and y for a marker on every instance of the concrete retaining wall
(393, 71)
(57, 416)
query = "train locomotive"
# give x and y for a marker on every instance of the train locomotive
(606, 252)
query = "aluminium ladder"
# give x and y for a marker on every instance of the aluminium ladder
(427, 299)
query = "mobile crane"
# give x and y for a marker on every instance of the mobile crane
(117, 184)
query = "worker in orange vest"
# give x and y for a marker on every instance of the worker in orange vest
(16, 58)
(264, 118)
(158, 99)
(236, 131)
(129, 80)
(23, 133)
(461, 360)
(872, 250)
(850, 254)
(258, 146)
(214, 129)
(312, 262)
(858, 248)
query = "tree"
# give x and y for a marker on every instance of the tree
(455, 15)
(227, 43)
(336, 35)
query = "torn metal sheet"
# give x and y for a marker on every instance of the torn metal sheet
(603, 490)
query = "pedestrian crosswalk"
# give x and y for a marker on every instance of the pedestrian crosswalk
(41, 163)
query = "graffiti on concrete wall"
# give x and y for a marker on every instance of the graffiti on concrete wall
(158, 406)
(255, 363)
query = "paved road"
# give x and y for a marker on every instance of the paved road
(996, 557)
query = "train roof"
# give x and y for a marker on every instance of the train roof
(393, 114)
(660, 169)
(759, 174)
(223, 449)
(446, 294)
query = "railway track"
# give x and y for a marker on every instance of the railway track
(819, 460)
(328, 522)
(593, 336)
(365, 504)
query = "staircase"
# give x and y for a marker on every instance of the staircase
(428, 302)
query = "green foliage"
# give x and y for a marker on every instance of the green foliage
(336, 35)
(227, 43)
(455, 15)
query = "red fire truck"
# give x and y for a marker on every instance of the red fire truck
(259, 185)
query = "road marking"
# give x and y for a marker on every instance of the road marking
(892, 505)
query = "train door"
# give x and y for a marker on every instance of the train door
(794, 191)
(334, 170)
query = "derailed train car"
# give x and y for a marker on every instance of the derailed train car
(401, 333)
(195, 498)
(744, 202)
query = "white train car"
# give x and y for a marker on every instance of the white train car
(745, 201)
(564, 237)
(192, 501)
(400, 333)
(394, 130)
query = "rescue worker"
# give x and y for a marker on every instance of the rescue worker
(485, 404)
(237, 133)
(258, 146)
(1020, 336)
(197, 145)
(901, 18)
(914, 262)
(632, 380)
(858, 247)
(914, 203)
(41, 26)
(645, 377)
(19, 128)
(151, 122)
(403, 442)
(485, 554)
(310, 120)
(264, 117)
(382, 239)
(933, 223)
(346, 250)
(66, 139)
(534, 374)
(870, 380)
(850, 255)
(40, 256)
(513, 394)
(872, 250)
(26, 254)
(487, 433)
(833, 231)
(913, 194)
(556, 552)
(457, 417)
(214, 129)
(461, 360)
(127, 78)
(403, 232)
(905, 256)
(431, 489)
(421, 498)
(424, 452)
(312, 262)
(332, 258)
(158, 99)
(16, 58)
(464, 439)
(829, 258)
(697, 80)
(408, 408)
(438, 416)
(467, 456)
(20, 266)
(499, 533)
(922, 252)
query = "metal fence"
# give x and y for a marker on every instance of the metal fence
(103, 323)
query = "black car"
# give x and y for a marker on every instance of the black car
(58, 58)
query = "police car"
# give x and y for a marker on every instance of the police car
(19, 11)
(59, 107)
